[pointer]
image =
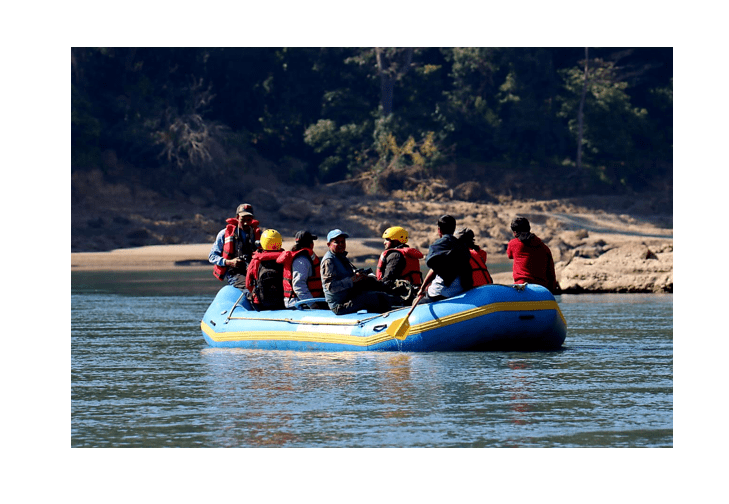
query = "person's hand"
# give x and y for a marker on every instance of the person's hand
(232, 262)
(417, 298)
(358, 276)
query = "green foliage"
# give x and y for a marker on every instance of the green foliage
(324, 114)
(424, 152)
(85, 131)
(614, 130)
(344, 147)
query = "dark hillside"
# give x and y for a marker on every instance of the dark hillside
(167, 141)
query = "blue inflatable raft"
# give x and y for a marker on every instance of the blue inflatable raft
(491, 317)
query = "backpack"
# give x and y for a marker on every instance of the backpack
(268, 290)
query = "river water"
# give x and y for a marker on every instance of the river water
(142, 376)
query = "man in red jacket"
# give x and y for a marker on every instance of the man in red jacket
(533, 261)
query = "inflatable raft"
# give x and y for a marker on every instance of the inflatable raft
(491, 317)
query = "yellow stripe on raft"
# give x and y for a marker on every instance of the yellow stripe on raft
(486, 310)
(342, 339)
(362, 341)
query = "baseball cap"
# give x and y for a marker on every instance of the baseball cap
(244, 209)
(305, 236)
(335, 233)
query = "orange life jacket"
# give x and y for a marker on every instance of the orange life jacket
(313, 282)
(411, 272)
(479, 271)
(229, 251)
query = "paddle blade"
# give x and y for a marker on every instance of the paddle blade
(399, 329)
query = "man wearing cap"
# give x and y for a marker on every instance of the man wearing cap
(301, 272)
(346, 289)
(234, 246)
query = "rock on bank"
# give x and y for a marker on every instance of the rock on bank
(632, 267)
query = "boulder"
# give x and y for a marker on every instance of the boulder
(631, 267)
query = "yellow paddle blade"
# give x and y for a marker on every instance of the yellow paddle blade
(399, 328)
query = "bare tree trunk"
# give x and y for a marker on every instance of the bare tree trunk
(391, 70)
(580, 117)
(387, 85)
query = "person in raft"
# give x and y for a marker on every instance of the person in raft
(264, 279)
(301, 272)
(449, 263)
(234, 246)
(346, 289)
(399, 265)
(479, 272)
(533, 262)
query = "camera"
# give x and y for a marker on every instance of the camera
(364, 271)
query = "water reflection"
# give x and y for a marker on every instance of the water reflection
(518, 385)
(395, 386)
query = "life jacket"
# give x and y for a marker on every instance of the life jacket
(232, 244)
(411, 273)
(313, 282)
(479, 271)
(265, 280)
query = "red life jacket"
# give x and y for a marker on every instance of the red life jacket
(411, 272)
(479, 271)
(270, 258)
(313, 282)
(229, 244)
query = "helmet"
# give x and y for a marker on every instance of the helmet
(271, 240)
(396, 233)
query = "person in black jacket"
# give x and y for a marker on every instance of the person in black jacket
(448, 260)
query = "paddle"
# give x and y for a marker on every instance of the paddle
(399, 328)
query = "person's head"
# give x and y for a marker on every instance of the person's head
(446, 225)
(520, 225)
(271, 240)
(394, 236)
(304, 239)
(244, 214)
(466, 236)
(337, 241)
(521, 228)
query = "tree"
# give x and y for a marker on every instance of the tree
(608, 131)
(392, 65)
(580, 113)
(528, 131)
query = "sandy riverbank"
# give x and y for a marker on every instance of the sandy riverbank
(171, 257)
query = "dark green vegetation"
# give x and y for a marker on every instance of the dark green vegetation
(191, 119)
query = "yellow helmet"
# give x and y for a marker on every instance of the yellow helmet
(396, 233)
(271, 240)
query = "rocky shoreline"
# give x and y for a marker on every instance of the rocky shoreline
(599, 243)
